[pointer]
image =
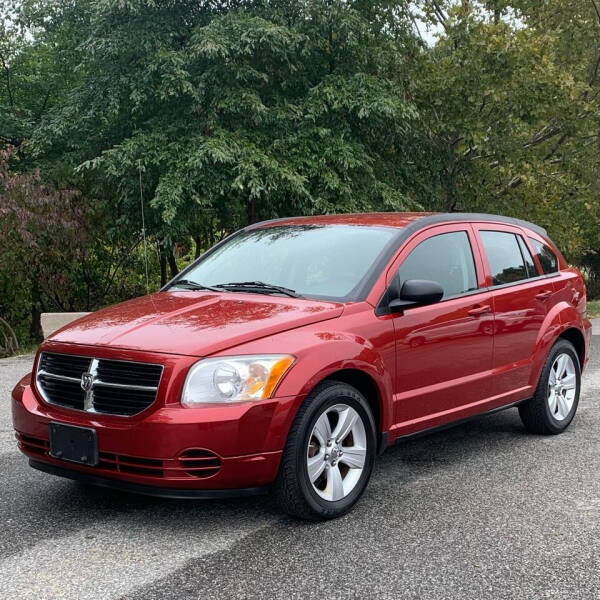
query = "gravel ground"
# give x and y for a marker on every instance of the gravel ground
(480, 511)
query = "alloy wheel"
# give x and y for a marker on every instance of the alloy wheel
(562, 387)
(336, 452)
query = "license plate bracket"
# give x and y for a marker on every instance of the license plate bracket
(74, 444)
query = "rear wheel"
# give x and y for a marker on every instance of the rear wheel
(329, 454)
(556, 399)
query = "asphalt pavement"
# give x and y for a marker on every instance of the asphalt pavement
(483, 510)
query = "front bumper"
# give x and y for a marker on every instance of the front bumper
(172, 449)
(147, 490)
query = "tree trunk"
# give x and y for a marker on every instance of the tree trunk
(172, 263)
(450, 177)
(598, 160)
(598, 120)
(251, 211)
(163, 266)
(35, 328)
(198, 246)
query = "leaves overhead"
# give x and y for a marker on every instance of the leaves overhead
(238, 114)
(223, 112)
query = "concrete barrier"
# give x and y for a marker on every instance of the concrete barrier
(53, 321)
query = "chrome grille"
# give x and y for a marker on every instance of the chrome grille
(97, 385)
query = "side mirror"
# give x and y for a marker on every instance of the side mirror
(416, 292)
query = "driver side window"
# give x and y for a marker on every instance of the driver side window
(446, 259)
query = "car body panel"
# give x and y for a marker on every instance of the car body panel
(429, 379)
(520, 317)
(426, 367)
(192, 322)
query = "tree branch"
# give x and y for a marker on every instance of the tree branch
(596, 9)
(513, 183)
(44, 104)
(439, 13)
(556, 146)
(416, 26)
(11, 99)
(548, 132)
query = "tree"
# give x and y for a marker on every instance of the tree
(235, 115)
(505, 96)
(215, 114)
(42, 232)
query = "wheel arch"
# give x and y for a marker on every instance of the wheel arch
(367, 386)
(568, 332)
(576, 337)
(371, 383)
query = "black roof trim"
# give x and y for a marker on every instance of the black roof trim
(433, 219)
(476, 217)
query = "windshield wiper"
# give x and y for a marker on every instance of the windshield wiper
(193, 285)
(258, 287)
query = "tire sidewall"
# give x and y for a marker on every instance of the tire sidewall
(336, 394)
(562, 347)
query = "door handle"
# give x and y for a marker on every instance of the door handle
(545, 295)
(477, 311)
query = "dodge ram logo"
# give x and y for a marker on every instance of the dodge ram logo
(87, 379)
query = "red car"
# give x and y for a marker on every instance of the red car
(295, 351)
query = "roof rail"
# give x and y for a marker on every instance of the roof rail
(444, 217)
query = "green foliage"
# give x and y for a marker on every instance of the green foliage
(593, 309)
(216, 114)
(511, 113)
(234, 115)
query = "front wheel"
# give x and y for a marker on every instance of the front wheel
(555, 403)
(329, 455)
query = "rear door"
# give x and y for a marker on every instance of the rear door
(443, 351)
(521, 295)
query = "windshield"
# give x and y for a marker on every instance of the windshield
(315, 261)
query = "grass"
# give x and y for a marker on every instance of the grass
(28, 348)
(593, 309)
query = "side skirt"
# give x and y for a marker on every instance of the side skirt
(384, 444)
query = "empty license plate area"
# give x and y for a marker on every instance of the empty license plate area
(75, 444)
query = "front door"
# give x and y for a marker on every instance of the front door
(443, 351)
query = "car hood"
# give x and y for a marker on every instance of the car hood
(193, 323)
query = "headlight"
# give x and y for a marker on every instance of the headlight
(234, 379)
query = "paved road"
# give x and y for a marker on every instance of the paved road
(480, 511)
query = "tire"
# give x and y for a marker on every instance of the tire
(545, 416)
(294, 490)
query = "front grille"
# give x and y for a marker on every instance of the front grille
(98, 385)
(131, 464)
(58, 391)
(193, 463)
(32, 445)
(112, 371)
(122, 401)
(119, 463)
(63, 364)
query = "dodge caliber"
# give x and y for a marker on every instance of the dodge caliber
(291, 354)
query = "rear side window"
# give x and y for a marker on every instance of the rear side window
(504, 257)
(546, 257)
(446, 259)
(531, 268)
